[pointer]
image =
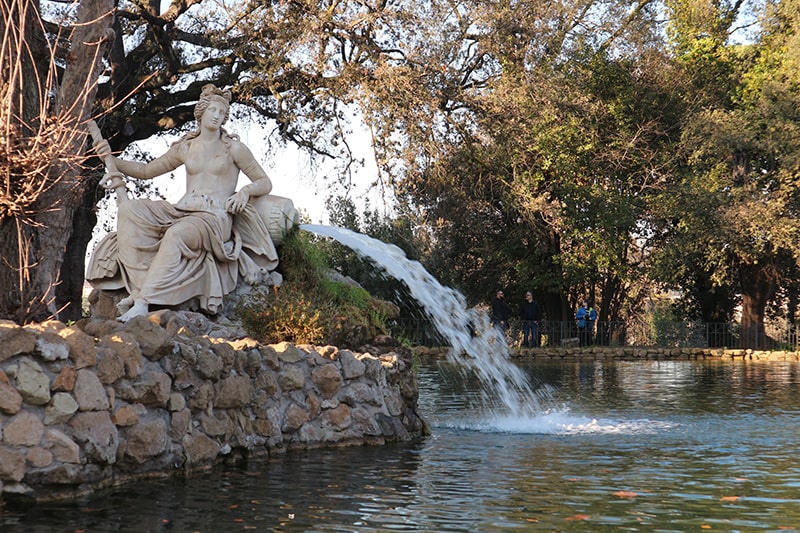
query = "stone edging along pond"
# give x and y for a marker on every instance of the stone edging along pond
(631, 353)
(100, 403)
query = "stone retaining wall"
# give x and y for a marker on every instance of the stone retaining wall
(99, 403)
(629, 353)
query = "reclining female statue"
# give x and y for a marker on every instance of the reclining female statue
(166, 254)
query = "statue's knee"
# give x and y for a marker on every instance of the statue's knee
(182, 233)
(172, 234)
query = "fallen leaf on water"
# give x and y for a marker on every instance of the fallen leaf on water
(534, 520)
(729, 498)
(234, 506)
(705, 526)
(579, 517)
(625, 494)
(238, 519)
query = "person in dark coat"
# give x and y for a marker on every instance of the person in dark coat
(501, 312)
(531, 315)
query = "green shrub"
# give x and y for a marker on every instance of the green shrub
(309, 307)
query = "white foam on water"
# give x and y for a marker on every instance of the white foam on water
(560, 423)
(476, 345)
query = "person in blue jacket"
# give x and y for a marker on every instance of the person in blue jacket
(582, 320)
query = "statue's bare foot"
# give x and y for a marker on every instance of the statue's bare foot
(139, 308)
(125, 304)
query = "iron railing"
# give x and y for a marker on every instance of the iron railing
(672, 334)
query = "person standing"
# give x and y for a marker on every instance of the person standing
(531, 315)
(582, 319)
(501, 312)
(591, 320)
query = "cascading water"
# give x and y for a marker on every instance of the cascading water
(476, 346)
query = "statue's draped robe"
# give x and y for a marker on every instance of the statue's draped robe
(207, 250)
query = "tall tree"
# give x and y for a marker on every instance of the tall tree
(734, 224)
(46, 96)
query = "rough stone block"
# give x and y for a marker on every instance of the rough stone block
(153, 340)
(15, 340)
(24, 429)
(200, 449)
(81, 347)
(146, 440)
(12, 464)
(352, 367)
(32, 383)
(233, 392)
(10, 399)
(294, 418)
(60, 409)
(328, 379)
(125, 416)
(39, 457)
(151, 389)
(65, 380)
(63, 448)
(89, 392)
(97, 435)
(288, 352)
(292, 378)
(51, 347)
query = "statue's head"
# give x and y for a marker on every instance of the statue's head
(209, 94)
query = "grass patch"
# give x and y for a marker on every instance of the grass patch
(311, 307)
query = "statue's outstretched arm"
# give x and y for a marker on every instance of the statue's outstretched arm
(158, 166)
(168, 162)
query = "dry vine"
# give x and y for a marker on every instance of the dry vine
(37, 149)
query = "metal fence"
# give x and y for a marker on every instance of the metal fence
(671, 334)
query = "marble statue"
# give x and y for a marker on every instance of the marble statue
(200, 247)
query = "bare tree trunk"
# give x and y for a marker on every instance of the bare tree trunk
(44, 185)
(69, 293)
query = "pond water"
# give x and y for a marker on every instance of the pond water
(639, 446)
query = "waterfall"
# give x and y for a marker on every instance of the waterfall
(476, 345)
